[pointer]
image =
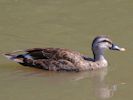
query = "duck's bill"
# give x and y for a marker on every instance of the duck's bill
(115, 47)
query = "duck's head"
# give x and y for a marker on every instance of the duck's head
(101, 43)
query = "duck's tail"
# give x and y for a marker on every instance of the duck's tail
(14, 57)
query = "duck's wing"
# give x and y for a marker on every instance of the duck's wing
(54, 53)
(42, 53)
(33, 50)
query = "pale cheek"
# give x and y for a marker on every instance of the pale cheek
(104, 46)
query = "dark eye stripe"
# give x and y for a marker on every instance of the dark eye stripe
(106, 41)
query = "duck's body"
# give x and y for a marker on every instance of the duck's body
(60, 59)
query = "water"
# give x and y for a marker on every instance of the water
(70, 24)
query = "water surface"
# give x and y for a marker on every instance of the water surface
(69, 24)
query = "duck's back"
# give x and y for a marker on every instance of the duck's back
(54, 53)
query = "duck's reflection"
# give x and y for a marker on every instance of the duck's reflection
(101, 89)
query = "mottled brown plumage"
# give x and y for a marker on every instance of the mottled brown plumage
(56, 59)
(60, 59)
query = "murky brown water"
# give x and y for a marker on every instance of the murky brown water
(70, 24)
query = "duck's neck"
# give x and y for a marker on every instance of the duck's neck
(99, 56)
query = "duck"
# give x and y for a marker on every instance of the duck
(62, 59)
